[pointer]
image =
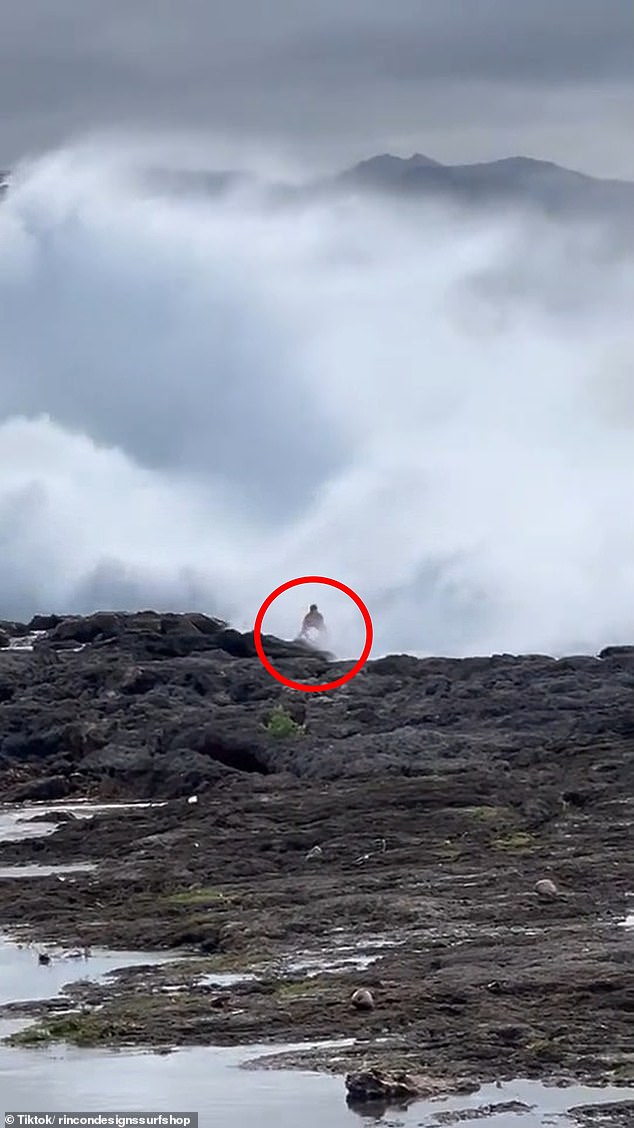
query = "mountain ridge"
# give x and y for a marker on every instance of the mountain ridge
(515, 180)
(418, 161)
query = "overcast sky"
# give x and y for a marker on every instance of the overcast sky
(330, 81)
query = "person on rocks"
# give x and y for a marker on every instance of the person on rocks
(313, 621)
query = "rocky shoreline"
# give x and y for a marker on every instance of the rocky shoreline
(388, 835)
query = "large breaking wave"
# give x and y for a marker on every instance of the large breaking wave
(202, 398)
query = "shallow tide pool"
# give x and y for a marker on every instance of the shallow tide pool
(210, 1082)
(204, 1079)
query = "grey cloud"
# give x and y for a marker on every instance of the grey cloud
(485, 40)
(454, 38)
(321, 75)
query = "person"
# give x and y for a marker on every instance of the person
(313, 621)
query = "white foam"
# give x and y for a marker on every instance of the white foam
(437, 412)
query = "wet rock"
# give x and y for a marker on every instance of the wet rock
(362, 999)
(483, 1112)
(39, 745)
(86, 629)
(138, 679)
(119, 758)
(48, 789)
(163, 684)
(13, 629)
(617, 652)
(376, 1085)
(57, 817)
(206, 624)
(474, 979)
(546, 889)
(612, 1114)
(44, 622)
(438, 789)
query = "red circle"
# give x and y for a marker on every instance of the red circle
(257, 634)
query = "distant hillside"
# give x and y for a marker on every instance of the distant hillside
(515, 179)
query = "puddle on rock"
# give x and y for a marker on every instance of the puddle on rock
(209, 1081)
(39, 870)
(9, 1026)
(23, 978)
(203, 1079)
(358, 955)
(25, 821)
(225, 979)
(544, 1105)
(313, 965)
(25, 641)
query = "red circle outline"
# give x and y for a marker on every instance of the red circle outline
(301, 686)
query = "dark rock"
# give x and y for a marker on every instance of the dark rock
(7, 689)
(43, 622)
(51, 646)
(617, 652)
(13, 629)
(483, 1112)
(37, 745)
(399, 665)
(137, 679)
(608, 1114)
(58, 817)
(439, 792)
(4, 639)
(163, 695)
(236, 644)
(48, 789)
(82, 630)
(374, 1084)
(120, 759)
(175, 643)
(207, 625)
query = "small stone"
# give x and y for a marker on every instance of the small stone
(362, 999)
(546, 889)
